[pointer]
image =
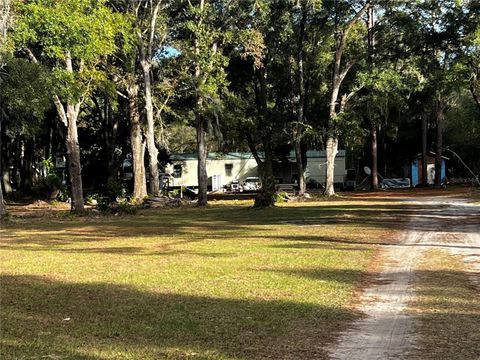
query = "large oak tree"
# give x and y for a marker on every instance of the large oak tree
(70, 37)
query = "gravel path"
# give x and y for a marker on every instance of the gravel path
(386, 331)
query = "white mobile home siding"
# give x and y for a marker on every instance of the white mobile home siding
(239, 166)
(242, 166)
(317, 169)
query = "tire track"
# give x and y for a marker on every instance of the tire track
(386, 331)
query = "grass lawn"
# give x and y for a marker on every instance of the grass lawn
(225, 282)
(447, 308)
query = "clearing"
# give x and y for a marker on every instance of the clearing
(225, 282)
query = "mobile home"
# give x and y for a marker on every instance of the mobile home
(222, 168)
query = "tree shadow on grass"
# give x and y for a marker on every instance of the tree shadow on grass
(453, 290)
(347, 276)
(321, 243)
(306, 242)
(193, 225)
(168, 248)
(446, 308)
(120, 250)
(113, 321)
(447, 316)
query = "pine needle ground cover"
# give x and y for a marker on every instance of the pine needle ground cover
(225, 282)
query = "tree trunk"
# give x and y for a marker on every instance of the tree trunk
(332, 149)
(302, 187)
(21, 164)
(27, 171)
(202, 176)
(424, 179)
(474, 91)
(16, 163)
(373, 126)
(332, 140)
(266, 197)
(146, 37)
(373, 139)
(339, 73)
(48, 139)
(138, 145)
(301, 109)
(3, 210)
(57, 144)
(202, 162)
(438, 158)
(6, 156)
(253, 150)
(69, 119)
(111, 130)
(74, 164)
(150, 133)
(4, 19)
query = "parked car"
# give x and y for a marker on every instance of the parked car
(252, 183)
(235, 186)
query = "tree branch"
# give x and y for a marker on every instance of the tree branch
(345, 71)
(347, 97)
(56, 99)
(475, 96)
(31, 56)
(253, 149)
(119, 93)
(153, 24)
(60, 109)
(343, 38)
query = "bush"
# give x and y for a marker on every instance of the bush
(313, 184)
(281, 197)
(113, 191)
(51, 187)
(174, 193)
(126, 206)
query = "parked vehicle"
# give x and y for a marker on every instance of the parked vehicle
(235, 186)
(252, 183)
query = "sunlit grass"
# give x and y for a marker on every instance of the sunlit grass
(225, 282)
(447, 310)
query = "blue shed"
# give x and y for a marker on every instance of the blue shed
(416, 169)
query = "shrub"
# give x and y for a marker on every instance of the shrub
(126, 206)
(281, 197)
(51, 187)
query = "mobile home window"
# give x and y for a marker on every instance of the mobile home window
(228, 169)
(177, 171)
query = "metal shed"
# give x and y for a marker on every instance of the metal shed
(416, 169)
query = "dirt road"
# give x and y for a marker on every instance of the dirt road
(386, 331)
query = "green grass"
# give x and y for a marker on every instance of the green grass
(447, 310)
(225, 282)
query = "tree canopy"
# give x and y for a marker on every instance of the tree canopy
(141, 79)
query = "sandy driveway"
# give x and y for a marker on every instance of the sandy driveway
(386, 332)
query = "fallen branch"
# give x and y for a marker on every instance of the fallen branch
(476, 177)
